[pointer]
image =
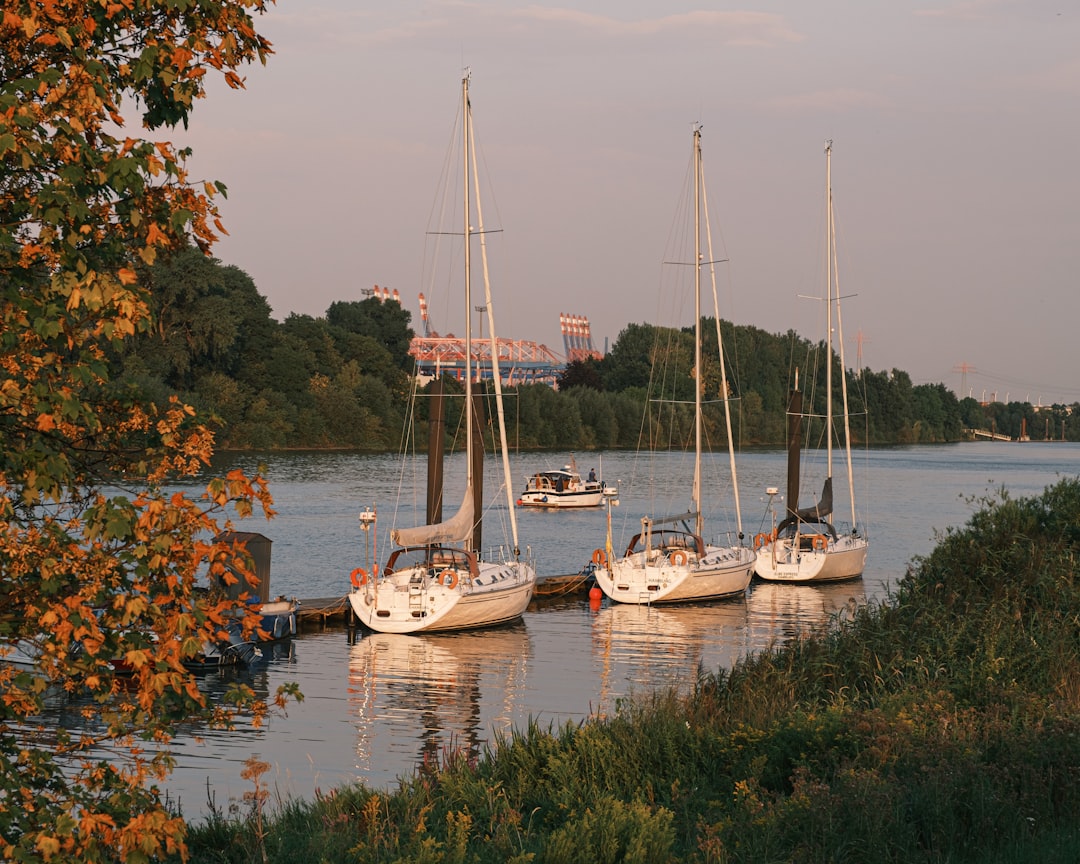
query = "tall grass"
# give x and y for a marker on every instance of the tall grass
(940, 725)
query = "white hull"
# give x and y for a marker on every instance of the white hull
(557, 488)
(416, 601)
(655, 578)
(558, 500)
(844, 558)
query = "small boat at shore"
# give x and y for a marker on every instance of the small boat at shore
(562, 488)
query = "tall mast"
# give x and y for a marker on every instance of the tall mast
(700, 521)
(466, 126)
(496, 371)
(843, 367)
(724, 393)
(830, 240)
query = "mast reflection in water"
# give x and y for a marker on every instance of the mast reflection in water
(445, 693)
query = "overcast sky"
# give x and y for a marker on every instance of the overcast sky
(956, 130)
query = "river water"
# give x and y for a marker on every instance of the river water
(377, 706)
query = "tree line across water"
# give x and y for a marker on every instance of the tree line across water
(342, 380)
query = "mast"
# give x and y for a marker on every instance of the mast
(720, 350)
(496, 372)
(794, 443)
(466, 132)
(843, 366)
(829, 248)
(700, 520)
(465, 127)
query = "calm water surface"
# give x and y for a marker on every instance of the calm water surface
(376, 706)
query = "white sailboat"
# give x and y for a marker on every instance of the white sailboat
(435, 579)
(668, 561)
(805, 546)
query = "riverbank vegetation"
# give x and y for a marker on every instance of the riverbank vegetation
(939, 725)
(342, 380)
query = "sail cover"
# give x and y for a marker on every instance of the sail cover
(456, 529)
(823, 508)
(815, 513)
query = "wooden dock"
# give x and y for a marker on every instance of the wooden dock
(323, 610)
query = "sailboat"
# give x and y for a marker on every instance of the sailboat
(435, 578)
(805, 546)
(668, 561)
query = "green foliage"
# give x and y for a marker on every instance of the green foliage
(384, 321)
(302, 383)
(581, 373)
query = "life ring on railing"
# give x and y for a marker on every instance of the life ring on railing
(761, 540)
(599, 557)
(449, 578)
(358, 577)
(819, 542)
(678, 558)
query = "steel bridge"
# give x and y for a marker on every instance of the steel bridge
(520, 361)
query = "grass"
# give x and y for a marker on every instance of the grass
(940, 725)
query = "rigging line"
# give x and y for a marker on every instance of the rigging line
(720, 346)
(496, 372)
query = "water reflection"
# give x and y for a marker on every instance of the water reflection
(656, 647)
(435, 693)
(778, 611)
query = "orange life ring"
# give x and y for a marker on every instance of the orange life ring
(449, 578)
(359, 577)
(599, 557)
(678, 558)
(819, 541)
(762, 540)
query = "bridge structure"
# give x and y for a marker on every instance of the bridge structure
(521, 361)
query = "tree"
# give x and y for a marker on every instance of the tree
(629, 363)
(207, 317)
(581, 373)
(85, 205)
(385, 321)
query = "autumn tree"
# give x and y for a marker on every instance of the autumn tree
(99, 564)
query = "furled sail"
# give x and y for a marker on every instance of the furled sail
(456, 529)
(815, 513)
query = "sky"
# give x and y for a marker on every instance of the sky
(955, 167)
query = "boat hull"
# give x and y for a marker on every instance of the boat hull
(646, 578)
(414, 601)
(780, 561)
(559, 500)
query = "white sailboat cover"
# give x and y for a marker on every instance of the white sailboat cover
(456, 529)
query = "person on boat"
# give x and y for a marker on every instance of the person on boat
(559, 485)
(592, 475)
